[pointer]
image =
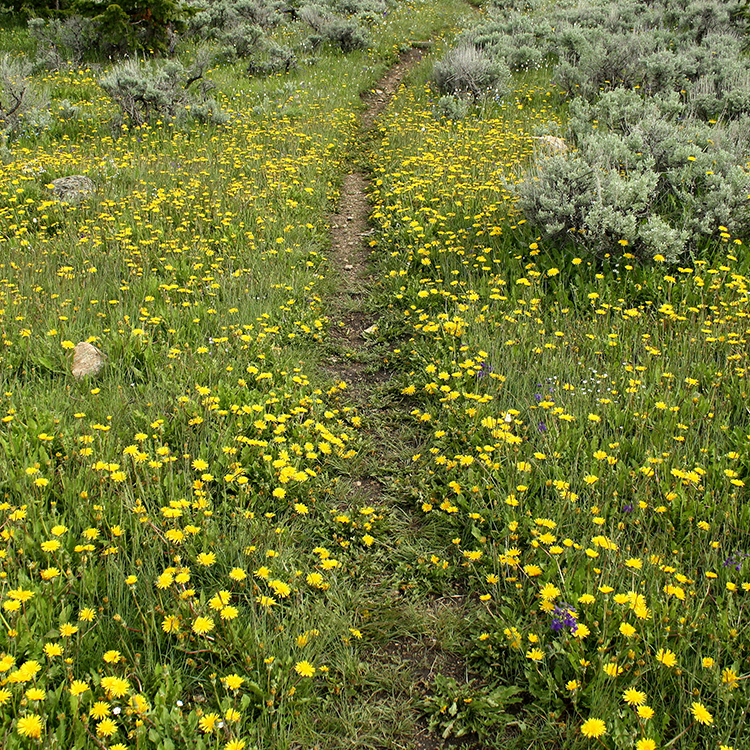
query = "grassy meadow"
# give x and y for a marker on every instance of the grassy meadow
(563, 444)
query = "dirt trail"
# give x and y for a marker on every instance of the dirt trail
(351, 326)
(356, 361)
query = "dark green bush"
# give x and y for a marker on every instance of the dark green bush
(93, 29)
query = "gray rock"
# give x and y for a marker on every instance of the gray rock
(73, 188)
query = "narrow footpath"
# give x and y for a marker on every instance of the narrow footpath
(416, 657)
(353, 328)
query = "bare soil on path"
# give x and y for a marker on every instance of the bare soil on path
(353, 331)
(350, 253)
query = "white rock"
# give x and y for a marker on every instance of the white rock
(87, 360)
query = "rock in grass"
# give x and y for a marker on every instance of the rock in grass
(552, 144)
(87, 360)
(73, 188)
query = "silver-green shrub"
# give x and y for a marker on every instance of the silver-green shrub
(224, 15)
(64, 40)
(451, 107)
(642, 176)
(468, 70)
(345, 33)
(271, 58)
(145, 92)
(20, 100)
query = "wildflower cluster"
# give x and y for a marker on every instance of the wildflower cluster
(174, 534)
(582, 444)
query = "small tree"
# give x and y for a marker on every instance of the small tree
(18, 97)
(85, 28)
(148, 26)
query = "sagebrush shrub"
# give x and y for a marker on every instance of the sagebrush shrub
(229, 14)
(19, 97)
(468, 70)
(451, 107)
(63, 40)
(243, 40)
(271, 58)
(346, 34)
(145, 92)
(643, 176)
(362, 9)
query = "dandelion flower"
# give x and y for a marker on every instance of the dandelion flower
(581, 631)
(170, 624)
(593, 728)
(667, 658)
(77, 687)
(203, 625)
(634, 697)
(52, 649)
(304, 669)
(233, 681)
(207, 723)
(106, 728)
(165, 580)
(645, 712)
(99, 710)
(29, 726)
(612, 669)
(549, 592)
(645, 744)
(702, 714)
(729, 677)
(115, 687)
(280, 588)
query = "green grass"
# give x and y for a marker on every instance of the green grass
(555, 432)
(583, 445)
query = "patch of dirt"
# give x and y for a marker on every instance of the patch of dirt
(354, 360)
(351, 325)
(425, 660)
(377, 99)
